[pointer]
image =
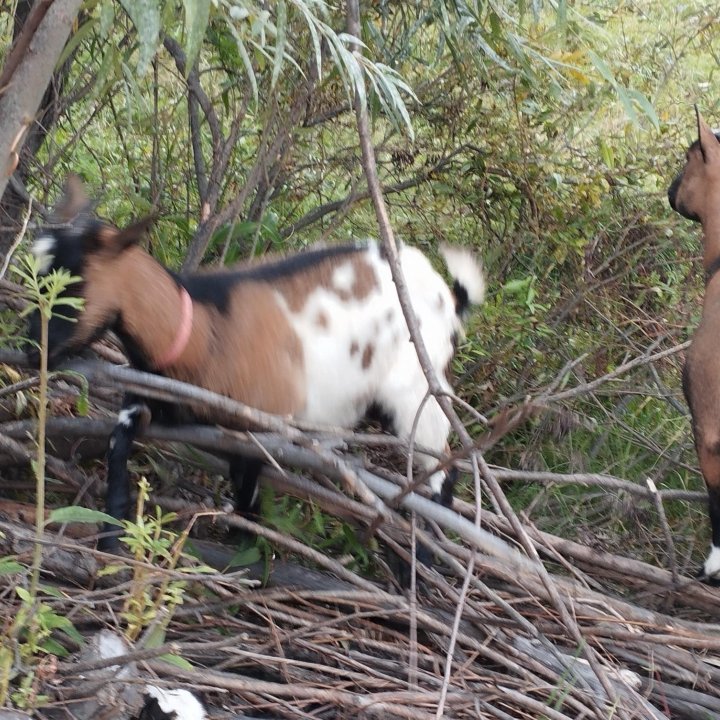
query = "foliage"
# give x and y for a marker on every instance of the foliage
(30, 633)
(150, 605)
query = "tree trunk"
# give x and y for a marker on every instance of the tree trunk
(26, 77)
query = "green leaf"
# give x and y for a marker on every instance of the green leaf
(82, 403)
(107, 18)
(601, 67)
(646, 106)
(53, 647)
(77, 514)
(245, 557)
(197, 15)
(177, 661)
(52, 591)
(517, 286)
(145, 15)
(82, 32)
(247, 63)
(626, 102)
(8, 566)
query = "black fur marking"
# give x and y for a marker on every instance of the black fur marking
(151, 710)
(462, 300)
(244, 474)
(445, 496)
(714, 512)
(377, 413)
(214, 288)
(117, 498)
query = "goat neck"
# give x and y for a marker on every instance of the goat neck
(711, 235)
(154, 319)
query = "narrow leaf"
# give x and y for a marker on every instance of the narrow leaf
(75, 513)
(197, 15)
(145, 15)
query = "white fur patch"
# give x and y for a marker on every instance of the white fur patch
(44, 251)
(343, 277)
(368, 357)
(126, 416)
(436, 482)
(183, 703)
(465, 268)
(712, 564)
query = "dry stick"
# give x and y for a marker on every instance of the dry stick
(388, 240)
(624, 368)
(219, 439)
(17, 240)
(672, 561)
(461, 602)
(607, 482)
(385, 704)
(216, 438)
(176, 392)
(694, 594)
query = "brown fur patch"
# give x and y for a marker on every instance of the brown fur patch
(367, 356)
(298, 287)
(261, 360)
(354, 348)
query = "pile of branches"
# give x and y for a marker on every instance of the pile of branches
(510, 622)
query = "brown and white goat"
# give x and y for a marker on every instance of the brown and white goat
(319, 335)
(695, 194)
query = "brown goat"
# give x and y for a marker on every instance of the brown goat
(695, 194)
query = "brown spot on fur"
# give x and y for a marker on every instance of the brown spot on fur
(354, 348)
(297, 288)
(367, 356)
(322, 320)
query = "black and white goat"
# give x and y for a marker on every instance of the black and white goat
(318, 336)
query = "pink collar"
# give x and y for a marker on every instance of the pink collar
(183, 333)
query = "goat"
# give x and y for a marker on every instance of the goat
(695, 194)
(318, 335)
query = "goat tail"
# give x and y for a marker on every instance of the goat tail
(468, 277)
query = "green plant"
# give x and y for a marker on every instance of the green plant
(45, 296)
(154, 547)
(29, 634)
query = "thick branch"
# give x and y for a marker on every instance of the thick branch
(21, 99)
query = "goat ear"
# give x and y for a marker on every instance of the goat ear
(709, 144)
(134, 233)
(73, 201)
(115, 241)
